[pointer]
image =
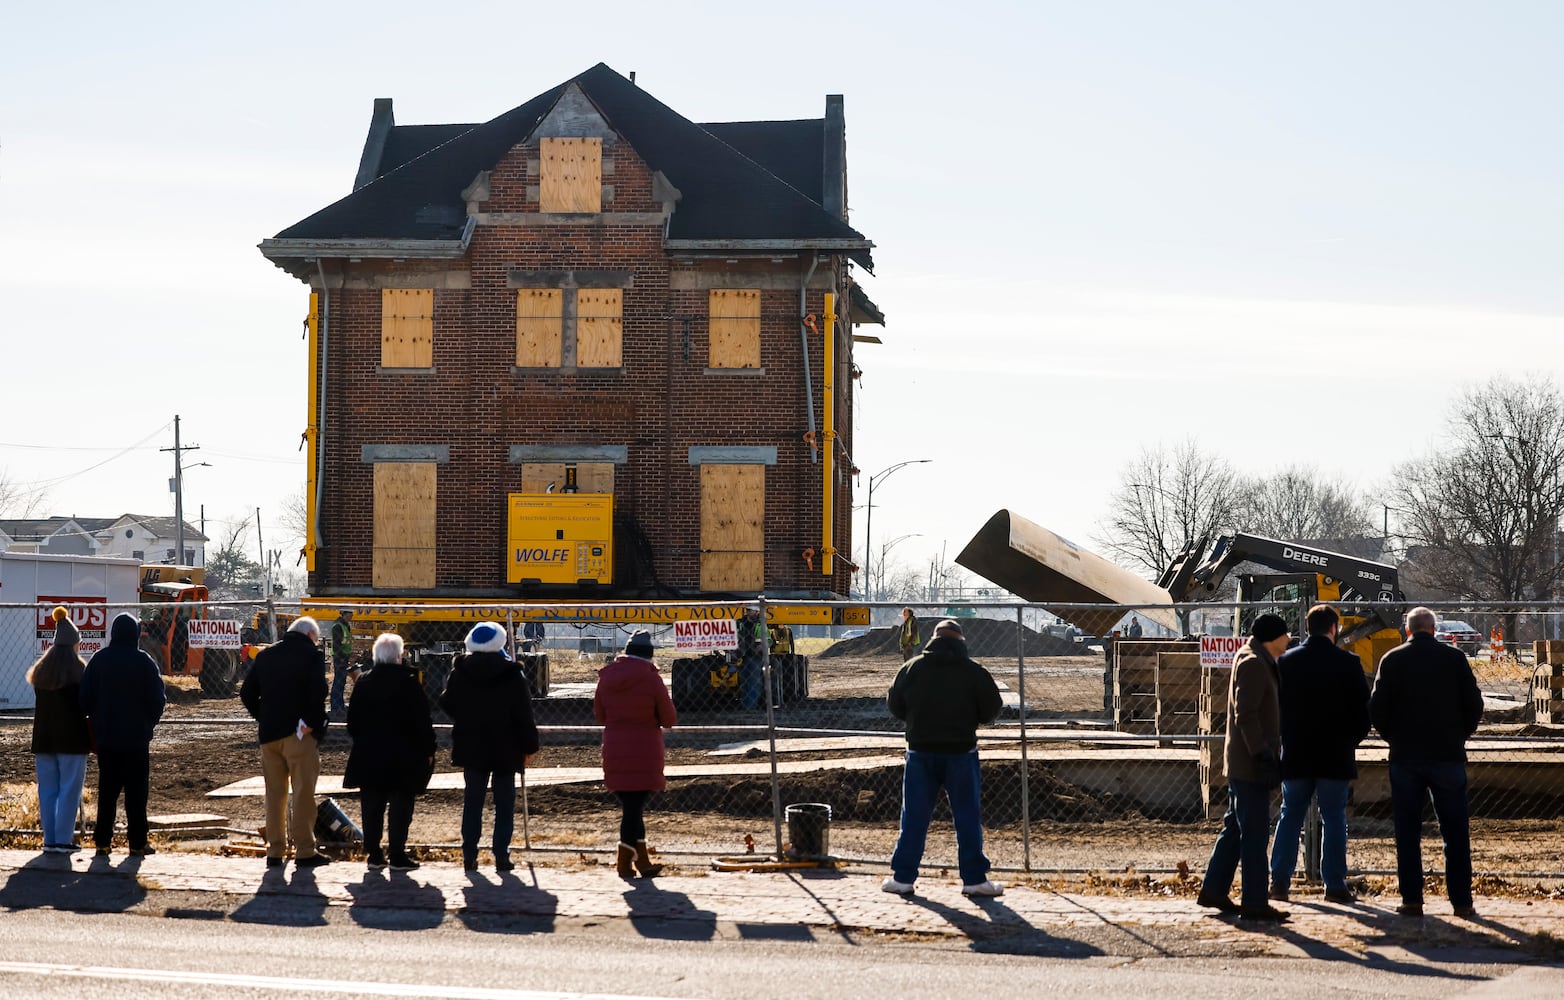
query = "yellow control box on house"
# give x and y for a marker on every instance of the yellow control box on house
(560, 538)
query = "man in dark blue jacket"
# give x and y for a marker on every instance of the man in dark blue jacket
(122, 695)
(1324, 701)
(286, 692)
(943, 696)
(1426, 704)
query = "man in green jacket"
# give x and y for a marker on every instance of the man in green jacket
(943, 696)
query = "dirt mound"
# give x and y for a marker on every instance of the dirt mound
(985, 637)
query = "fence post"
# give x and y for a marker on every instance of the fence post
(271, 620)
(1026, 769)
(766, 694)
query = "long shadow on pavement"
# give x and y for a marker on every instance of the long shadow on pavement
(50, 880)
(997, 929)
(506, 904)
(395, 901)
(277, 900)
(665, 915)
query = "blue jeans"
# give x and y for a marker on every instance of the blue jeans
(752, 680)
(60, 777)
(340, 666)
(476, 783)
(1245, 833)
(1411, 782)
(1296, 793)
(926, 773)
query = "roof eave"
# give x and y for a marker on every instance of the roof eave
(857, 249)
(296, 252)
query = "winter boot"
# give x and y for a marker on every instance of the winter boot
(643, 861)
(626, 861)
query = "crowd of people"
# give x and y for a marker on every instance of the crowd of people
(1295, 716)
(110, 705)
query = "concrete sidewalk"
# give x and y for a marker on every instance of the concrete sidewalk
(694, 904)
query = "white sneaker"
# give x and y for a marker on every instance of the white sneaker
(985, 888)
(899, 888)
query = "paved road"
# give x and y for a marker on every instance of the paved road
(787, 935)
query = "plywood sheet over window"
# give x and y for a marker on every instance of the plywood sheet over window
(404, 524)
(591, 477)
(599, 327)
(733, 535)
(571, 175)
(733, 328)
(406, 327)
(539, 327)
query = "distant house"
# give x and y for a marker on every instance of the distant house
(150, 539)
(56, 536)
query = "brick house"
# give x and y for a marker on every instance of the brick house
(588, 296)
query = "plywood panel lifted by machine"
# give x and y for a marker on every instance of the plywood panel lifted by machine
(1044, 568)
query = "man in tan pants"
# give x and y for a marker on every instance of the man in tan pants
(286, 693)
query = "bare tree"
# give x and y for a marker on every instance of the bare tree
(230, 572)
(295, 517)
(1480, 516)
(18, 500)
(1167, 501)
(1297, 505)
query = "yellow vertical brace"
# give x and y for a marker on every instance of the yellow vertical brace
(312, 433)
(828, 435)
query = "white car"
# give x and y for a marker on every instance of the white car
(853, 633)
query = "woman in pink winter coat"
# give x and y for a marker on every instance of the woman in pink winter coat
(633, 707)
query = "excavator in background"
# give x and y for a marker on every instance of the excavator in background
(1047, 569)
(1302, 576)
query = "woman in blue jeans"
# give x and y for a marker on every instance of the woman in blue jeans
(60, 736)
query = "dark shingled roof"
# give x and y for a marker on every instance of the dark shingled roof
(794, 151)
(408, 142)
(725, 195)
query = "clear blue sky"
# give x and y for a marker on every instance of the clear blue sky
(1291, 231)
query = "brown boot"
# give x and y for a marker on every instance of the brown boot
(626, 861)
(643, 861)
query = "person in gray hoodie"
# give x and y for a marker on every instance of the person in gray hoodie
(122, 695)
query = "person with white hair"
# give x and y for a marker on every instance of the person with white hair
(393, 750)
(285, 692)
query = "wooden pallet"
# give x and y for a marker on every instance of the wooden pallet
(1548, 651)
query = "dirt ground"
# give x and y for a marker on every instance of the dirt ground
(205, 744)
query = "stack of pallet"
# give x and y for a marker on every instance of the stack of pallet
(1178, 692)
(1212, 721)
(1135, 681)
(1547, 690)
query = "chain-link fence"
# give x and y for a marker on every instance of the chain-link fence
(1107, 753)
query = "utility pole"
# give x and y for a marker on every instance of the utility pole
(178, 487)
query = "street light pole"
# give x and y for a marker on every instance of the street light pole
(868, 526)
(891, 545)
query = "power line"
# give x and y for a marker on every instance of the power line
(45, 483)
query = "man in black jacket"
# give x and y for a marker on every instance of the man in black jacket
(123, 698)
(285, 692)
(1324, 700)
(943, 696)
(1425, 704)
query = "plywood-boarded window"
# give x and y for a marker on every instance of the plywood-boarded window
(540, 324)
(404, 539)
(591, 477)
(571, 175)
(599, 327)
(407, 327)
(733, 536)
(733, 328)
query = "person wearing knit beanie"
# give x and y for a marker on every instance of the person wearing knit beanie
(65, 633)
